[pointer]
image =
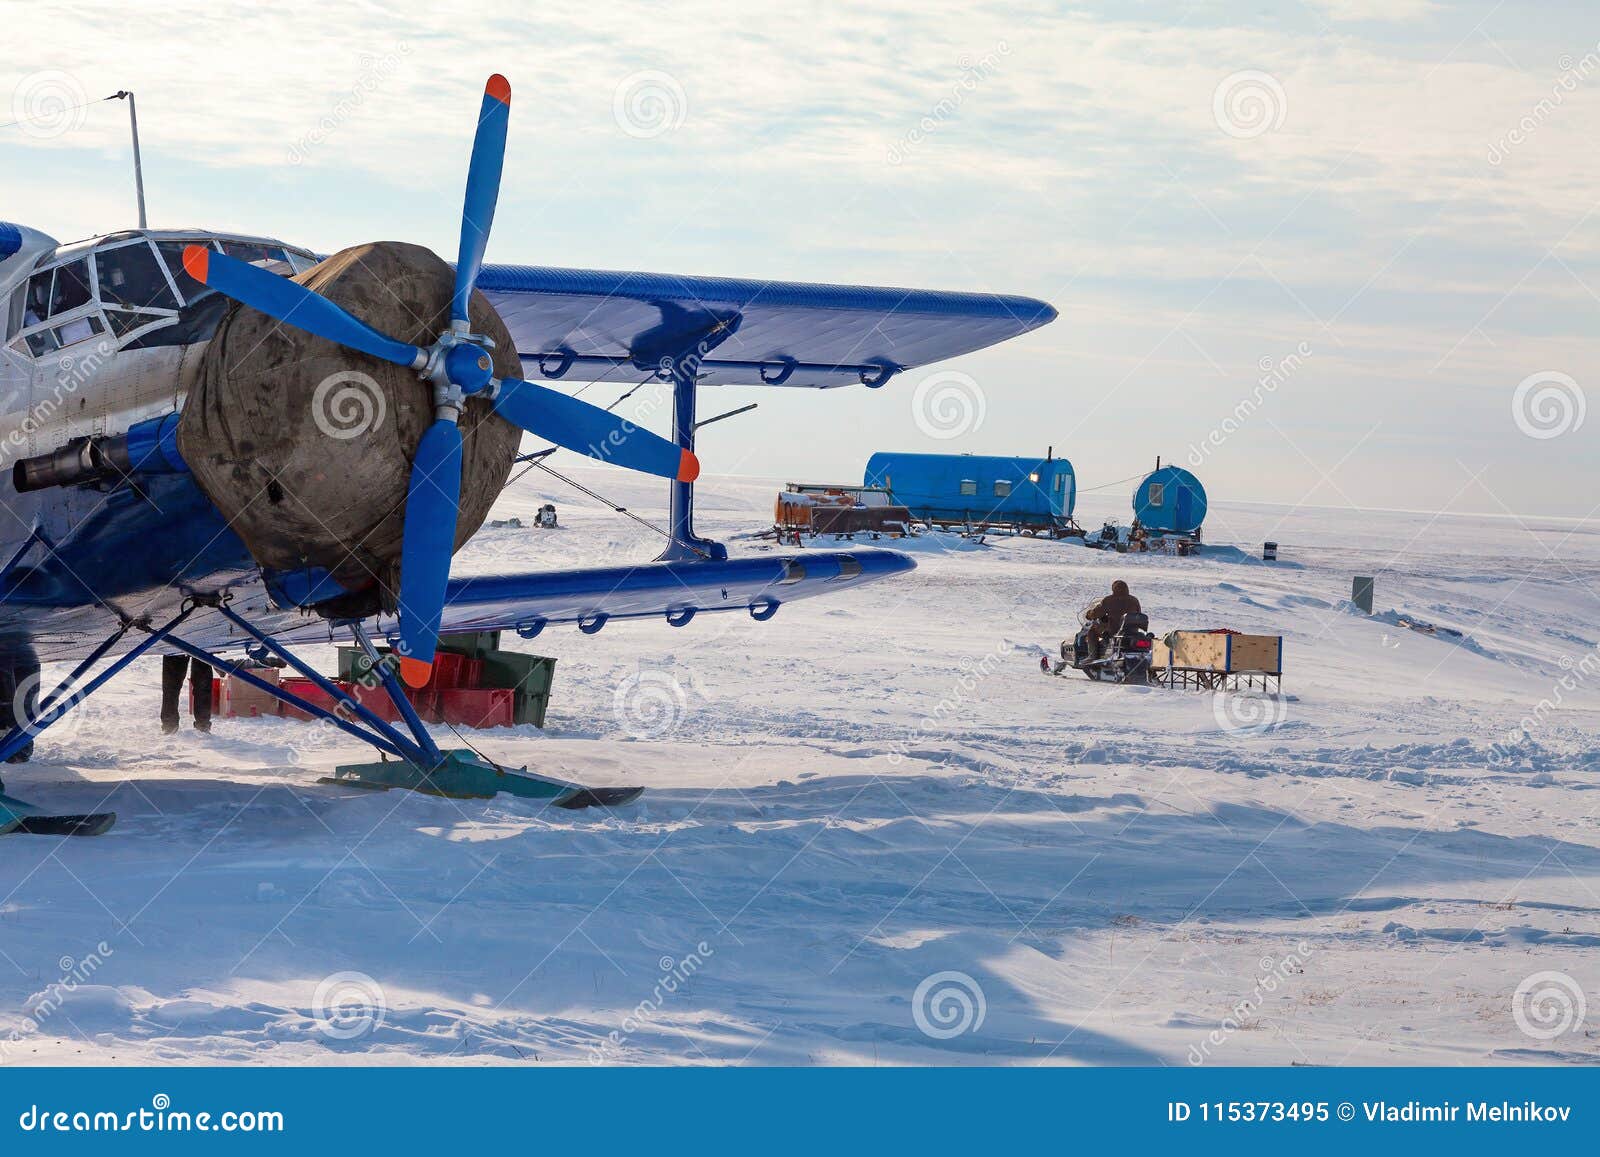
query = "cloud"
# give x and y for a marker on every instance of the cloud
(1389, 11)
(1415, 200)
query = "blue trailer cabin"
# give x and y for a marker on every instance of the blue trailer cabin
(1170, 500)
(1029, 494)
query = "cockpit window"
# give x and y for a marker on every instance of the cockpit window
(172, 254)
(38, 307)
(131, 276)
(14, 315)
(72, 287)
(269, 257)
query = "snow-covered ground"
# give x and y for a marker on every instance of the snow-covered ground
(875, 833)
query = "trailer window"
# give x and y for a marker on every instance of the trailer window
(1061, 483)
(1002, 488)
(969, 486)
(1158, 494)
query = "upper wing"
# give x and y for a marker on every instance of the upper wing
(576, 323)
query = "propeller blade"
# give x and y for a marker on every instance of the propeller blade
(293, 304)
(566, 421)
(483, 189)
(426, 545)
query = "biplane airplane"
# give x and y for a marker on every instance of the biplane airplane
(123, 533)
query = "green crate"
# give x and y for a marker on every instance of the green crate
(530, 676)
(354, 666)
(476, 645)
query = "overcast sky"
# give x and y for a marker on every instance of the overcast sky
(1384, 209)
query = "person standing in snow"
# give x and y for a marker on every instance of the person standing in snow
(173, 670)
(19, 699)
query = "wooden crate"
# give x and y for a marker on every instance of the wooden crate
(1224, 654)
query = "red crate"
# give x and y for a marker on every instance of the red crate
(478, 706)
(447, 670)
(375, 700)
(426, 702)
(311, 693)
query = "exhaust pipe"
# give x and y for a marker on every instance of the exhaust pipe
(149, 447)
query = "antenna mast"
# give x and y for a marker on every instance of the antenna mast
(138, 165)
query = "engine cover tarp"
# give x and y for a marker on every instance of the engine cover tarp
(305, 446)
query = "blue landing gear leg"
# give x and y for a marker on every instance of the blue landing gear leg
(19, 817)
(684, 370)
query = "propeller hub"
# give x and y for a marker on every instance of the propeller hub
(469, 367)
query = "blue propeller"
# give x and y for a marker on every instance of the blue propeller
(290, 302)
(458, 365)
(432, 500)
(483, 191)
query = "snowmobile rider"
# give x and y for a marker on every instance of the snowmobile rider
(1105, 617)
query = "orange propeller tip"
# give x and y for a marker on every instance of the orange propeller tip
(499, 88)
(197, 262)
(415, 672)
(688, 467)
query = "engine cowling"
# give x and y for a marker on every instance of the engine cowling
(306, 446)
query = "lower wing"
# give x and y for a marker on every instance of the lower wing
(677, 591)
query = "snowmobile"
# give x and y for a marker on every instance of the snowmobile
(1123, 655)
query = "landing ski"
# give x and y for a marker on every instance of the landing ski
(20, 818)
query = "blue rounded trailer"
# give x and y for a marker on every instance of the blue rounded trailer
(1170, 500)
(980, 491)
